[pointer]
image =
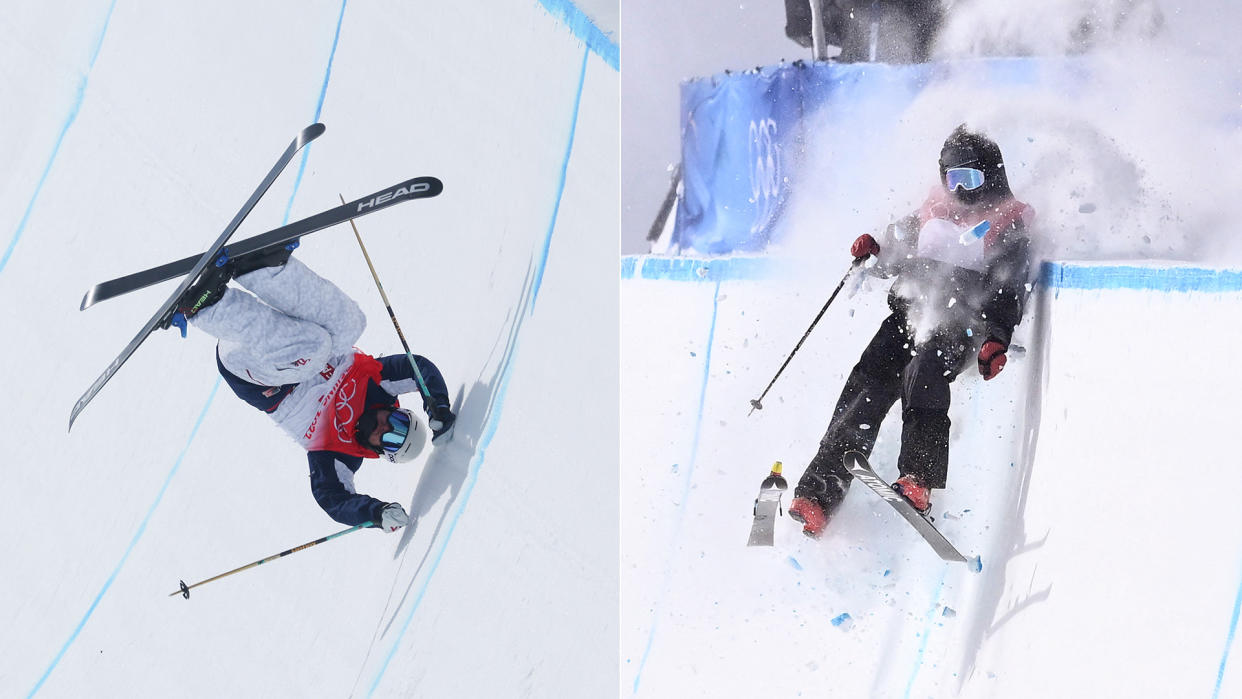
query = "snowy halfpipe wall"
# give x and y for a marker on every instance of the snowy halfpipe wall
(134, 131)
(1092, 477)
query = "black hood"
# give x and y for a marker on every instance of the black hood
(964, 148)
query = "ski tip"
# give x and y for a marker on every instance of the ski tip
(310, 133)
(88, 300)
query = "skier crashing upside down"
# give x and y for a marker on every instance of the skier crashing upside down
(286, 347)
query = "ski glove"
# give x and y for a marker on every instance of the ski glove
(991, 359)
(864, 247)
(440, 419)
(393, 517)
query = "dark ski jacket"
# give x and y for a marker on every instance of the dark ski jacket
(961, 266)
(331, 472)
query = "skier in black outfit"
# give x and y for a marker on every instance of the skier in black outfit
(961, 264)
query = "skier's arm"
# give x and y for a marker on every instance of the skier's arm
(1007, 277)
(332, 483)
(397, 377)
(897, 243)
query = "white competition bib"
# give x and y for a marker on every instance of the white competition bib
(945, 241)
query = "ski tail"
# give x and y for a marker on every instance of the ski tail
(307, 135)
(767, 508)
(858, 465)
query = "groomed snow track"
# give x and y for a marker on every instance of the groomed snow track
(1092, 478)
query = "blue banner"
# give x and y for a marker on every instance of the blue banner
(739, 133)
(744, 136)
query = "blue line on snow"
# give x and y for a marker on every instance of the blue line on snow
(493, 422)
(476, 465)
(142, 528)
(323, 92)
(687, 479)
(927, 629)
(1056, 275)
(60, 139)
(1080, 276)
(585, 30)
(211, 397)
(560, 185)
(695, 269)
(1233, 628)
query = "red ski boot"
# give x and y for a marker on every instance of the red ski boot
(914, 492)
(810, 515)
(815, 500)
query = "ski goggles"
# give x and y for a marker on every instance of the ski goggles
(967, 178)
(398, 429)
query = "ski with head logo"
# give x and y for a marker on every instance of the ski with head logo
(417, 188)
(861, 469)
(307, 135)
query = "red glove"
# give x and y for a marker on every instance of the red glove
(991, 359)
(864, 247)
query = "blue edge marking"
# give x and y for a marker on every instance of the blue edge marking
(585, 30)
(1052, 275)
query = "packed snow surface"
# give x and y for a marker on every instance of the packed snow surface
(1091, 477)
(133, 133)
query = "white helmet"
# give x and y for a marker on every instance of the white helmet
(405, 438)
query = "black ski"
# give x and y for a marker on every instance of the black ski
(858, 465)
(307, 135)
(417, 188)
(767, 508)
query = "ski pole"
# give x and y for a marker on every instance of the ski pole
(757, 404)
(185, 589)
(422, 385)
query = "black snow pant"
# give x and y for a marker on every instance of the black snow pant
(893, 366)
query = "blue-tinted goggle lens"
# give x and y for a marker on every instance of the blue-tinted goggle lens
(967, 178)
(398, 428)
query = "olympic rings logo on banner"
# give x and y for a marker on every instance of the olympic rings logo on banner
(764, 157)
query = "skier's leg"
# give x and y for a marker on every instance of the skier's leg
(870, 391)
(925, 406)
(296, 290)
(262, 345)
